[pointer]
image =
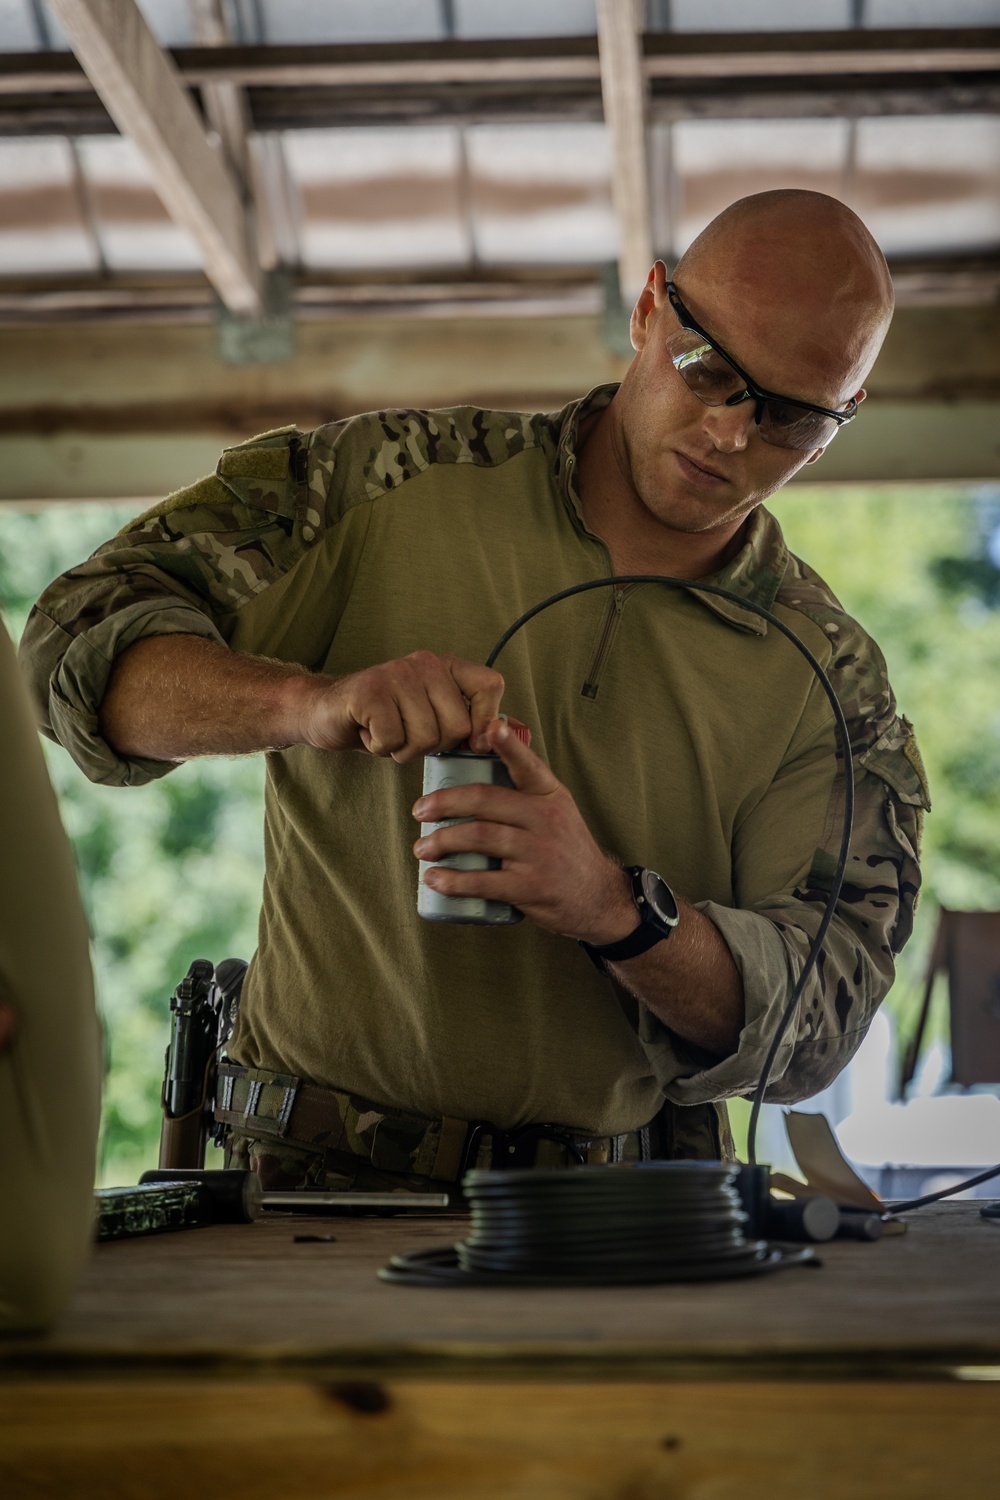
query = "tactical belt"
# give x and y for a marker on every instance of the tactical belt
(345, 1128)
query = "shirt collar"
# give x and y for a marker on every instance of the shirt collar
(757, 570)
(569, 421)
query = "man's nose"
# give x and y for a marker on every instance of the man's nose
(729, 427)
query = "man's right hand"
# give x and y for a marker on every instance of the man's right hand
(173, 697)
(403, 708)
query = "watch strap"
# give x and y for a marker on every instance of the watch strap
(647, 934)
(643, 938)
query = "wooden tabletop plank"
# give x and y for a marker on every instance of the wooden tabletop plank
(249, 1297)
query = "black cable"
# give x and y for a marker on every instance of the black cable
(598, 1226)
(844, 739)
(959, 1187)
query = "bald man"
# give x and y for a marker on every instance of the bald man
(330, 598)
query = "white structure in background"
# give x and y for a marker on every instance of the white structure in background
(929, 1130)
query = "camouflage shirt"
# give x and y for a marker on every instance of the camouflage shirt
(694, 738)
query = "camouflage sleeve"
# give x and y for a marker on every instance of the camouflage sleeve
(769, 934)
(185, 567)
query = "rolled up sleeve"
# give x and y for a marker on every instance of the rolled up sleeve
(187, 567)
(770, 939)
(79, 668)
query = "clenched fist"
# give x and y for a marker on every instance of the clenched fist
(403, 708)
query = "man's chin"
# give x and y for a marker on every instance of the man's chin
(694, 515)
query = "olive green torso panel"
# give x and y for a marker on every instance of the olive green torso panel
(694, 739)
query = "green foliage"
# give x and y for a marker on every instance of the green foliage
(172, 871)
(911, 562)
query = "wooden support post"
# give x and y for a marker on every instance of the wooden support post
(225, 102)
(142, 91)
(257, 160)
(623, 87)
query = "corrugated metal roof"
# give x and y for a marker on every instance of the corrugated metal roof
(495, 195)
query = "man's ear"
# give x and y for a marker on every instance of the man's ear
(652, 297)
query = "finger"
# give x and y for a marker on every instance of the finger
(492, 804)
(498, 840)
(489, 885)
(401, 719)
(483, 687)
(421, 726)
(527, 771)
(454, 719)
(392, 710)
(382, 731)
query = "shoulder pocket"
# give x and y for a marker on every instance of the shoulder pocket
(895, 759)
(264, 471)
(892, 833)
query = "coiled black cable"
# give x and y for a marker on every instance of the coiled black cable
(844, 744)
(605, 1224)
(598, 1225)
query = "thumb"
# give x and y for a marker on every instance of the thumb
(527, 771)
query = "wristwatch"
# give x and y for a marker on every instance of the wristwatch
(658, 916)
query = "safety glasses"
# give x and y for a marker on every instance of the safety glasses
(717, 380)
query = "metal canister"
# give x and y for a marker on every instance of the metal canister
(445, 768)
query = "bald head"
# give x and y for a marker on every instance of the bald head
(794, 284)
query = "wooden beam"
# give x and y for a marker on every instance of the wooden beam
(147, 100)
(132, 410)
(791, 98)
(224, 101)
(532, 61)
(166, 1433)
(538, 80)
(822, 53)
(569, 291)
(623, 88)
(256, 159)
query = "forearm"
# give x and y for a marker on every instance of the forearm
(178, 696)
(690, 983)
(174, 697)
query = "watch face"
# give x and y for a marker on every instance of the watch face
(660, 897)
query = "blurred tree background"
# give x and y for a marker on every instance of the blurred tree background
(172, 871)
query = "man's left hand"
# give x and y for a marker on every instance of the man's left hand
(551, 869)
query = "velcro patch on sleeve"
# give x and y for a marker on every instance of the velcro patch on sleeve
(254, 463)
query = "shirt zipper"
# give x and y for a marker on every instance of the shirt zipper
(605, 640)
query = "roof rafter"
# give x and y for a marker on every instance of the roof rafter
(145, 96)
(529, 62)
(760, 76)
(623, 88)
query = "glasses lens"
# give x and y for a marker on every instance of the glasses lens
(710, 377)
(785, 425)
(703, 370)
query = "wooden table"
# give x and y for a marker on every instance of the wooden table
(235, 1362)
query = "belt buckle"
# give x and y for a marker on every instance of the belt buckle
(518, 1148)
